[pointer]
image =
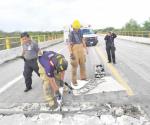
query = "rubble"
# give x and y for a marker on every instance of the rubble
(15, 119)
(107, 119)
(77, 113)
(118, 112)
(128, 120)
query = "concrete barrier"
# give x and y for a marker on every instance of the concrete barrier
(10, 54)
(141, 40)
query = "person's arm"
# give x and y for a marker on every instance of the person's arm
(70, 46)
(84, 45)
(53, 84)
(106, 38)
(50, 73)
(23, 52)
(62, 75)
(70, 42)
(83, 42)
(114, 35)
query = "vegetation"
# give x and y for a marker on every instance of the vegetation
(130, 26)
(12, 34)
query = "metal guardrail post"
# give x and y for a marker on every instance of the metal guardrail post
(7, 43)
(149, 34)
(44, 38)
(39, 39)
(20, 41)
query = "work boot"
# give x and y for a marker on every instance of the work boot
(114, 62)
(27, 89)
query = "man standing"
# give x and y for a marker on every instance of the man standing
(110, 47)
(52, 68)
(29, 54)
(77, 49)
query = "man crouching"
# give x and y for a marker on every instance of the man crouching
(52, 68)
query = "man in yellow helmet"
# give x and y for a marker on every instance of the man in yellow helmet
(77, 49)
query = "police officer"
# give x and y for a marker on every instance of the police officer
(52, 68)
(77, 49)
(29, 54)
(110, 48)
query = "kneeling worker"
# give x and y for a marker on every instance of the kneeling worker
(51, 66)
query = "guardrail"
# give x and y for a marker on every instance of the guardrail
(11, 42)
(131, 33)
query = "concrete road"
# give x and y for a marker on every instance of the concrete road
(11, 73)
(133, 65)
(131, 71)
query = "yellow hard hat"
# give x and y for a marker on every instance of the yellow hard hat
(76, 24)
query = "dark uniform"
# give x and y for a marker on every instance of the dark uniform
(30, 50)
(110, 48)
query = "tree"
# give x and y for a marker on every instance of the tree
(132, 25)
(108, 29)
(146, 25)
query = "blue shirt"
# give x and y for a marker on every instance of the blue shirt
(45, 62)
(75, 37)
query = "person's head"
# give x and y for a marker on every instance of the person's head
(25, 37)
(76, 25)
(61, 64)
(109, 33)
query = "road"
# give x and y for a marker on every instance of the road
(132, 67)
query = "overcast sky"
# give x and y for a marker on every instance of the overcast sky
(49, 15)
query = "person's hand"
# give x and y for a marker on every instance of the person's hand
(22, 58)
(72, 56)
(61, 83)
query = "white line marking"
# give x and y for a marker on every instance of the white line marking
(4, 88)
(10, 83)
(62, 49)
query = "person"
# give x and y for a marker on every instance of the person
(77, 48)
(52, 68)
(29, 54)
(110, 47)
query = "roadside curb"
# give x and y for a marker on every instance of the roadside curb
(8, 57)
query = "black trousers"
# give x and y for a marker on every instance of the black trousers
(110, 53)
(29, 67)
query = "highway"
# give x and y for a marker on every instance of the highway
(131, 71)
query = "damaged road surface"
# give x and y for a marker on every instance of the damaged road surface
(104, 114)
(102, 101)
(83, 108)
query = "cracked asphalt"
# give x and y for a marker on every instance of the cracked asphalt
(132, 65)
